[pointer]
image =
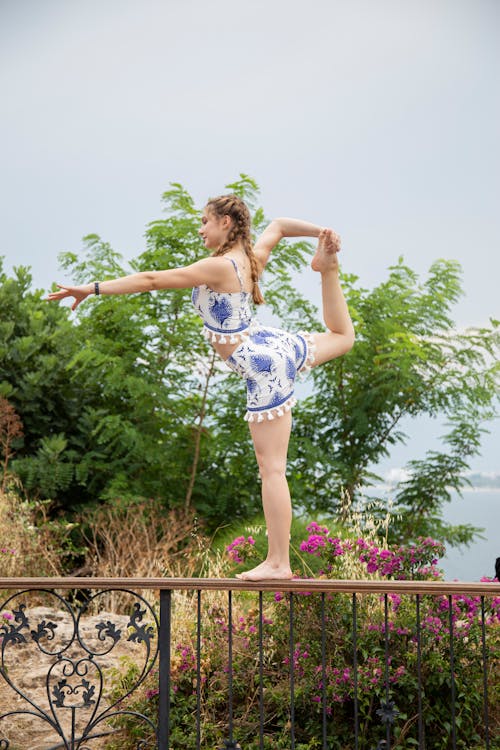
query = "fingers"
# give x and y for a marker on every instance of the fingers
(63, 292)
(54, 296)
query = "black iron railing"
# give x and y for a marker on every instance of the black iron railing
(71, 654)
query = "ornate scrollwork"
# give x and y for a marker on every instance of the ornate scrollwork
(108, 630)
(70, 651)
(12, 634)
(143, 633)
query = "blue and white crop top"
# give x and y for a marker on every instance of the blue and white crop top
(226, 315)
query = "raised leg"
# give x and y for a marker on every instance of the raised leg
(270, 439)
(339, 338)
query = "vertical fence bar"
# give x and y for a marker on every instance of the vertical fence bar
(323, 669)
(261, 671)
(485, 677)
(164, 681)
(386, 659)
(230, 664)
(198, 672)
(452, 674)
(355, 669)
(421, 736)
(292, 675)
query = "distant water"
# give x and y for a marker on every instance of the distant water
(480, 507)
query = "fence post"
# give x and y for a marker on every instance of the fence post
(164, 696)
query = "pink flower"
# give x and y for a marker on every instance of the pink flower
(239, 548)
(316, 528)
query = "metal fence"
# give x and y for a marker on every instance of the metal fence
(70, 656)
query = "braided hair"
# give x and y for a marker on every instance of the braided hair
(236, 209)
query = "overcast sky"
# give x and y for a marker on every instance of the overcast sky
(380, 118)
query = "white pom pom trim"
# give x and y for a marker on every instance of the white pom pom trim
(273, 413)
(234, 338)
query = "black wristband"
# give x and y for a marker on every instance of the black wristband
(96, 288)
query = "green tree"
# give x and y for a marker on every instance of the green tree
(408, 361)
(37, 343)
(163, 415)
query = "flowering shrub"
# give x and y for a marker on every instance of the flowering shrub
(416, 561)
(241, 549)
(385, 689)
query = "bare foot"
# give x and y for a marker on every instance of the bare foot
(265, 571)
(325, 257)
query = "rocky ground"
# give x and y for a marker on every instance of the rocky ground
(64, 684)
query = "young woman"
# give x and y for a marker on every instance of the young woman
(224, 285)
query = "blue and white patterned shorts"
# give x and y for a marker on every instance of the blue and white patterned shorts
(269, 360)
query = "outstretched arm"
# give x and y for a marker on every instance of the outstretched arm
(277, 230)
(209, 271)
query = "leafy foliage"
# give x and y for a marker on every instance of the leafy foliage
(37, 342)
(408, 361)
(126, 400)
(154, 413)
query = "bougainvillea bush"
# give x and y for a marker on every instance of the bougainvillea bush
(371, 673)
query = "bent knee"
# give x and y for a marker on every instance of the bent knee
(349, 340)
(332, 344)
(342, 342)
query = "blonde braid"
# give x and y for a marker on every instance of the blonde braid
(236, 209)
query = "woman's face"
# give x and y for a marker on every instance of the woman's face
(213, 230)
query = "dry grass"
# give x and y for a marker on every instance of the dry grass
(141, 540)
(30, 545)
(367, 520)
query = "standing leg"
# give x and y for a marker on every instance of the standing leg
(270, 439)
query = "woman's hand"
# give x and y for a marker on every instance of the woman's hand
(78, 292)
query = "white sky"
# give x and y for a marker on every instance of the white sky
(378, 117)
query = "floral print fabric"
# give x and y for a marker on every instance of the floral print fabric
(269, 360)
(224, 314)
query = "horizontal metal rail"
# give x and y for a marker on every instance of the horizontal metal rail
(383, 586)
(75, 676)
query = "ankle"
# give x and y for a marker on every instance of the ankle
(330, 273)
(278, 564)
